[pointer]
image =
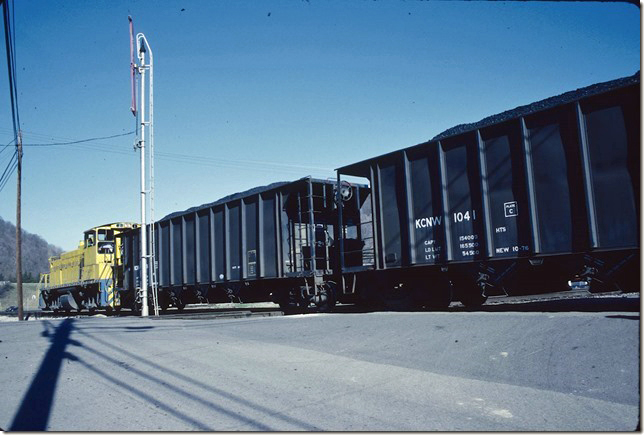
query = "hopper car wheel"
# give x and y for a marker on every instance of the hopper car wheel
(471, 295)
(325, 299)
(469, 292)
(441, 295)
(599, 286)
(180, 305)
(293, 302)
(474, 298)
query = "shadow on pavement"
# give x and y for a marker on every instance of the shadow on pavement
(593, 304)
(167, 377)
(621, 316)
(587, 304)
(36, 405)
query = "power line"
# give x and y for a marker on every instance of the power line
(4, 181)
(10, 45)
(13, 59)
(92, 139)
(256, 165)
(7, 146)
(243, 164)
(9, 170)
(12, 70)
(4, 159)
(60, 140)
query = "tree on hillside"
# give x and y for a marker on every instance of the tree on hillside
(35, 254)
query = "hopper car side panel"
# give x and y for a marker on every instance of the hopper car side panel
(553, 192)
(275, 243)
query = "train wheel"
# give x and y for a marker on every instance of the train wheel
(441, 296)
(164, 304)
(473, 298)
(468, 292)
(286, 300)
(325, 297)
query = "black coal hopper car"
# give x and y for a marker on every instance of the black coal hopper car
(273, 243)
(540, 198)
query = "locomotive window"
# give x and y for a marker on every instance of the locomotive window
(105, 247)
(104, 235)
(89, 239)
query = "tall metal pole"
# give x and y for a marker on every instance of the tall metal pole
(148, 245)
(19, 230)
(144, 223)
(153, 275)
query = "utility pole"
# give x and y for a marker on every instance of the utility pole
(18, 229)
(18, 138)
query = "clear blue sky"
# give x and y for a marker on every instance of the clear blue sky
(252, 92)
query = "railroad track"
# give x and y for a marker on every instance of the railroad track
(201, 311)
(578, 300)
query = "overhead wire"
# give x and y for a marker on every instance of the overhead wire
(9, 170)
(13, 60)
(9, 31)
(5, 147)
(12, 163)
(92, 139)
(10, 47)
(5, 157)
(94, 144)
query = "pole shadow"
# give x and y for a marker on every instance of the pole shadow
(36, 405)
(156, 374)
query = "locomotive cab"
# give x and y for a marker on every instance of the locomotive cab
(102, 238)
(84, 278)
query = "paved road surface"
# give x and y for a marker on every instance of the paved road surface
(514, 369)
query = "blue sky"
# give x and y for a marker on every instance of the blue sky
(248, 93)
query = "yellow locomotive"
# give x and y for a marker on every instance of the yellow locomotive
(84, 278)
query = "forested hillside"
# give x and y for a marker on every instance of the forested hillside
(35, 252)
